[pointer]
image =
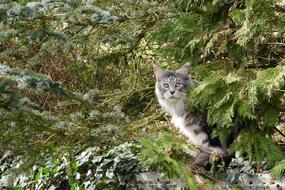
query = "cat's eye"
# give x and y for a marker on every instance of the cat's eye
(177, 85)
(165, 85)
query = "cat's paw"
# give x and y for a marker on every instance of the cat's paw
(217, 151)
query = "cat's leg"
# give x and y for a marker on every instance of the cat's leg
(214, 150)
(201, 160)
(217, 151)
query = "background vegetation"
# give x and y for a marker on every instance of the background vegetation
(77, 88)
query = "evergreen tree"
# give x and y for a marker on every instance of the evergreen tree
(77, 74)
(236, 50)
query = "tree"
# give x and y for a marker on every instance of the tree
(77, 74)
(236, 49)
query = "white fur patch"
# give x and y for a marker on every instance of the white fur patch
(188, 131)
(177, 110)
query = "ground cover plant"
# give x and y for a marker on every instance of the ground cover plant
(77, 104)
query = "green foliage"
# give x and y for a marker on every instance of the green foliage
(236, 96)
(254, 22)
(235, 50)
(157, 154)
(257, 147)
(66, 72)
(122, 167)
(77, 74)
(279, 169)
(116, 168)
(56, 60)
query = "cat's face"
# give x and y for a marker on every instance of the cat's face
(172, 85)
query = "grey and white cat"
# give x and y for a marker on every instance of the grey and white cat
(171, 91)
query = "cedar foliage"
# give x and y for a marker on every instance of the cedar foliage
(77, 74)
(236, 49)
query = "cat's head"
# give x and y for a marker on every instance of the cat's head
(172, 85)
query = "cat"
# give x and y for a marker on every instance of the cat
(171, 91)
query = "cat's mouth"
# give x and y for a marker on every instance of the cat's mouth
(172, 98)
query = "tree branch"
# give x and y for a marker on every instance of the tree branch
(279, 8)
(275, 128)
(278, 90)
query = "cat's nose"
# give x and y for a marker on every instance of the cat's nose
(172, 92)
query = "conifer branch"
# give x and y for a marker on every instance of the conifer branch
(276, 43)
(279, 8)
(261, 66)
(276, 129)
(278, 90)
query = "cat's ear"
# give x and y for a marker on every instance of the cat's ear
(158, 72)
(184, 70)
